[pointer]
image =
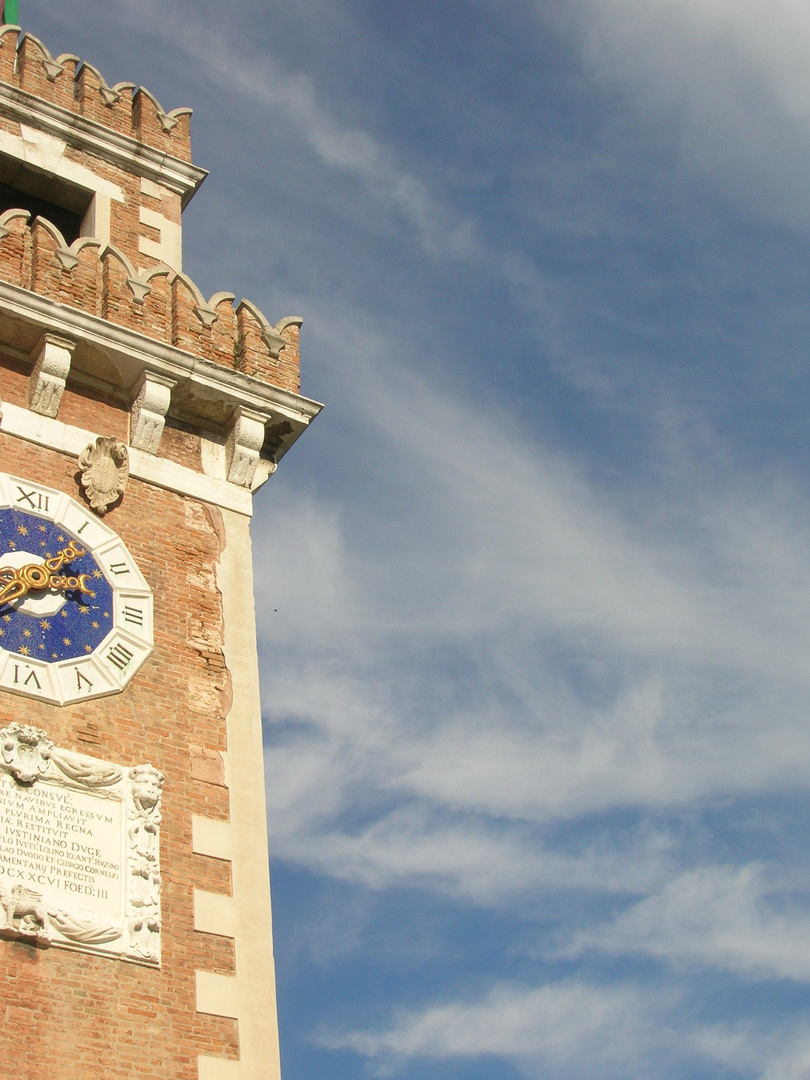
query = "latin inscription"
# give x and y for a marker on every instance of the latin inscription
(63, 843)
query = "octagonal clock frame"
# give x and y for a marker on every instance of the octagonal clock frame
(77, 618)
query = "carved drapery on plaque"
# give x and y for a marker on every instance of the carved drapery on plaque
(105, 470)
(79, 849)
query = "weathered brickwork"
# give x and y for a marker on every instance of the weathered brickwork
(129, 1021)
(160, 303)
(71, 84)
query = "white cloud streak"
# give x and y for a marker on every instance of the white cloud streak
(568, 1029)
(261, 78)
(517, 553)
(573, 1028)
(729, 75)
(727, 918)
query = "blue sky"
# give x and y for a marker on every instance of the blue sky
(533, 591)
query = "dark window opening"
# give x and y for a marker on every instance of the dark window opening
(25, 188)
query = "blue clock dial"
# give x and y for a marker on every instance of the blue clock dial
(71, 622)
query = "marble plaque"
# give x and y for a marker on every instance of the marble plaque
(79, 849)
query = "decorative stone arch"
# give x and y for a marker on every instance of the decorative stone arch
(270, 335)
(12, 215)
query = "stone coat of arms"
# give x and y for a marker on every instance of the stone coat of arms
(105, 471)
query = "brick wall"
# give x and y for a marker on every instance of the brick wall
(159, 303)
(70, 1015)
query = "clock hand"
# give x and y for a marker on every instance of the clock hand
(19, 581)
(74, 550)
(11, 585)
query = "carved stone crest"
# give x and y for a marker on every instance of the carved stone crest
(105, 472)
(26, 751)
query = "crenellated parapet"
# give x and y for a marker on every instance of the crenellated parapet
(159, 302)
(94, 301)
(69, 83)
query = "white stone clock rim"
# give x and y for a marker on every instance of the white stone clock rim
(67, 513)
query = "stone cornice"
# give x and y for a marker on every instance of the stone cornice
(204, 393)
(179, 176)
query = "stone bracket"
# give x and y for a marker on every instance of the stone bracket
(153, 395)
(245, 440)
(51, 366)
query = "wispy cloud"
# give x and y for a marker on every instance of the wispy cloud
(729, 77)
(259, 76)
(606, 664)
(568, 1028)
(728, 918)
(573, 1028)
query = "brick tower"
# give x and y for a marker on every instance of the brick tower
(138, 419)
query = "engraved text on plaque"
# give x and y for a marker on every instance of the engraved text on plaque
(79, 849)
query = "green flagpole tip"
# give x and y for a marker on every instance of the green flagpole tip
(11, 12)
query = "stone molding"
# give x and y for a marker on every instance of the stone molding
(71, 440)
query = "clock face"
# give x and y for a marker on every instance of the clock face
(75, 611)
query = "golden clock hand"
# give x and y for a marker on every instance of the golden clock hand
(74, 550)
(19, 581)
(23, 579)
(35, 576)
(13, 585)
